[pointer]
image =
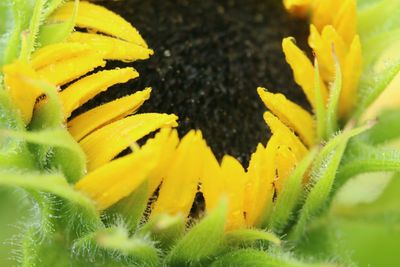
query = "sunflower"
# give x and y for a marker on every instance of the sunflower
(109, 187)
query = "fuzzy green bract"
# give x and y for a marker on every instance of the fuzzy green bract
(345, 214)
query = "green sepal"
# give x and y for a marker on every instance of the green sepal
(362, 158)
(29, 37)
(70, 158)
(51, 33)
(51, 6)
(164, 228)
(386, 129)
(244, 236)
(15, 14)
(358, 233)
(288, 198)
(54, 184)
(333, 101)
(114, 244)
(13, 153)
(320, 112)
(130, 209)
(259, 258)
(322, 179)
(203, 241)
(57, 148)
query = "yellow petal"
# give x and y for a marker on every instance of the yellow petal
(93, 119)
(291, 114)
(212, 185)
(117, 179)
(57, 52)
(285, 135)
(104, 144)
(112, 48)
(345, 21)
(285, 163)
(322, 46)
(234, 179)
(99, 19)
(86, 88)
(179, 187)
(64, 71)
(22, 92)
(168, 143)
(300, 8)
(227, 180)
(351, 74)
(259, 188)
(324, 12)
(303, 70)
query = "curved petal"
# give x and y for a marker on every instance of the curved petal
(57, 52)
(99, 19)
(179, 187)
(303, 70)
(22, 92)
(112, 48)
(84, 124)
(86, 88)
(291, 114)
(104, 144)
(285, 135)
(117, 179)
(62, 72)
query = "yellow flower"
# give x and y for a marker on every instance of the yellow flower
(105, 131)
(180, 168)
(189, 166)
(332, 34)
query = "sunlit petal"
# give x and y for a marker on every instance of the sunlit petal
(104, 144)
(95, 118)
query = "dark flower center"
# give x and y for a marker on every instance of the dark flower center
(210, 56)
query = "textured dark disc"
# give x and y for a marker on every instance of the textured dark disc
(210, 56)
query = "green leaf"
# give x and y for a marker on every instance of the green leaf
(258, 258)
(241, 236)
(373, 197)
(203, 241)
(288, 199)
(353, 241)
(376, 18)
(381, 64)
